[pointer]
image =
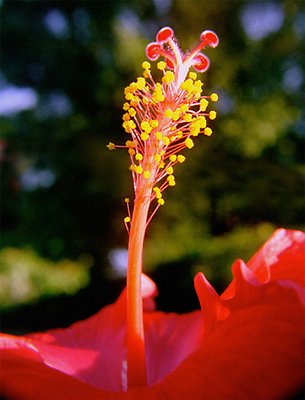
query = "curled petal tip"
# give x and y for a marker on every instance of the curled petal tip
(210, 38)
(153, 51)
(243, 273)
(164, 34)
(201, 62)
(205, 290)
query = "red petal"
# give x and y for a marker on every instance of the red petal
(85, 349)
(256, 353)
(254, 349)
(212, 308)
(24, 378)
(277, 255)
(256, 341)
(169, 340)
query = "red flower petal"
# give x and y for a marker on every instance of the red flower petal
(277, 255)
(169, 340)
(256, 353)
(252, 347)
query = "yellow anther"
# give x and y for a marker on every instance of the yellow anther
(195, 127)
(126, 200)
(161, 202)
(126, 117)
(159, 135)
(197, 88)
(176, 115)
(146, 174)
(173, 158)
(161, 65)
(129, 96)
(189, 143)
(202, 121)
(203, 104)
(128, 125)
(144, 136)
(180, 158)
(157, 157)
(130, 143)
(154, 123)
(126, 220)
(166, 140)
(145, 126)
(212, 114)
(184, 108)
(127, 90)
(133, 87)
(208, 131)
(111, 146)
(198, 84)
(171, 180)
(179, 134)
(170, 170)
(140, 83)
(135, 101)
(158, 193)
(139, 157)
(195, 131)
(214, 97)
(145, 65)
(131, 124)
(187, 85)
(138, 169)
(168, 113)
(158, 95)
(132, 152)
(193, 75)
(132, 111)
(126, 106)
(188, 117)
(168, 77)
(146, 73)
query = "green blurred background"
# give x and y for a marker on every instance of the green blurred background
(63, 71)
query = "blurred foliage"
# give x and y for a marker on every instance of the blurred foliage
(26, 277)
(63, 191)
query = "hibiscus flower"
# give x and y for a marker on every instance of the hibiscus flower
(247, 343)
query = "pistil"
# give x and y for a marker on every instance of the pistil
(162, 118)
